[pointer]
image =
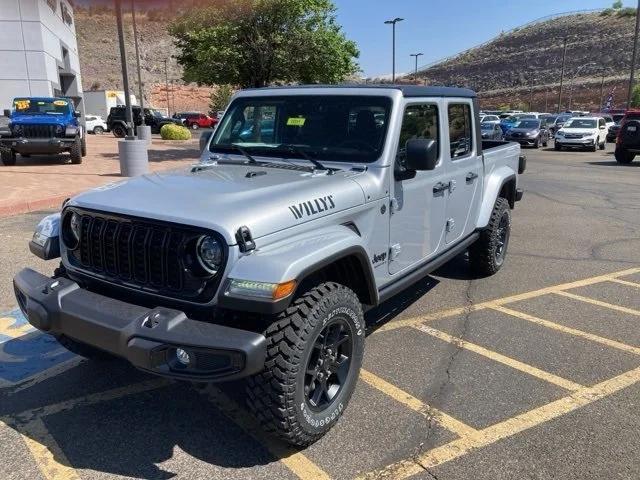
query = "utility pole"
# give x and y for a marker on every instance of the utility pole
(125, 72)
(546, 100)
(393, 46)
(564, 56)
(166, 83)
(633, 57)
(416, 55)
(602, 89)
(135, 41)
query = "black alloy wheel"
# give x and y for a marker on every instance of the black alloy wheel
(328, 366)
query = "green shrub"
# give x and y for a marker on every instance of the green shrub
(606, 12)
(627, 12)
(174, 132)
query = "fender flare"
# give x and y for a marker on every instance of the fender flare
(298, 258)
(493, 186)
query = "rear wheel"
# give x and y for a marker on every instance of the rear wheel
(536, 144)
(488, 253)
(195, 126)
(8, 157)
(314, 354)
(98, 130)
(624, 157)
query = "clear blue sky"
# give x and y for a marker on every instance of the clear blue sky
(438, 28)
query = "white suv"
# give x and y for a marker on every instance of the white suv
(96, 124)
(581, 132)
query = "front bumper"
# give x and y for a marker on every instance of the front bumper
(525, 141)
(575, 142)
(148, 338)
(37, 145)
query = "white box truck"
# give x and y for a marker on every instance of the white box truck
(99, 102)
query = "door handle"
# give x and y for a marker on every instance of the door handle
(471, 176)
(440, 187)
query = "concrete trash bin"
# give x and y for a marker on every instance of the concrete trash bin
(144, 133)
(134, 157)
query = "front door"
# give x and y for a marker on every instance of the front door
(464, 169)
(417, 212)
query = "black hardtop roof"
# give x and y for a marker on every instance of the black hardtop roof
(407, 90)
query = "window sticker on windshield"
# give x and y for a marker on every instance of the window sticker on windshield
(41, 103)
(22, 104)
(60, 103)
(295, 121)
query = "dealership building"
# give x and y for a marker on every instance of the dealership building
(38, 50)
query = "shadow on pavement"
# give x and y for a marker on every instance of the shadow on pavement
(613, 163)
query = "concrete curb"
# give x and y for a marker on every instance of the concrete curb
(27, 206)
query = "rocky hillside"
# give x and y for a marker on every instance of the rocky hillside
(528, 59)
(100, 58)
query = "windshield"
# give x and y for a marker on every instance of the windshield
(324, 127)
(528, 124)
(580, 123)
(526, 116)
(31, 106)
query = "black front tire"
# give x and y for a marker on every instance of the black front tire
(8, 157)
(624, 157)
(557, 147)
(119, 131)
(603, 145)
(82, 349)
(283, 395)
(488, 253)
(98, 130)
(76, 152)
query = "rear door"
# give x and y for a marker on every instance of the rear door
(417, 222)
(464, 170)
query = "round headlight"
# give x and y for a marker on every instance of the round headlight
(209, 253)
(17, 129)
(71, 225)
(59, 129)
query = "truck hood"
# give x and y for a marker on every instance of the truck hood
(581, 131)
(225, 197)
(40, 120)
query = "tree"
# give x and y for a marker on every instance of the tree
(617, 5)
(220, 98)
(635, 96)
(253, 43)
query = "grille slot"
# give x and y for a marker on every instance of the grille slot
(38, 131)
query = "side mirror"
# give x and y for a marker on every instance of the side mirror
(7, 112)
(422, 154)
(204, 139)
(76, 114)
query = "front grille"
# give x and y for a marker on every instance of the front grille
(572, 135)
(151, 256)
(39, 131)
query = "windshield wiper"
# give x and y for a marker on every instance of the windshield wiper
(298, 151)
(244, 152)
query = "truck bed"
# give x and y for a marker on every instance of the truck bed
(498, 153)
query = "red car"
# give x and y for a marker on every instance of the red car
(200, 120)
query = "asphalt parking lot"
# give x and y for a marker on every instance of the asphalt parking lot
(532, 373)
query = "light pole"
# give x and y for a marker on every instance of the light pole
(393, 45)
(166, 84)
(604, 72)
(125, 72)
(416, 69)
(633, 57)
(564, 56)
(135, 41)
(573, 78)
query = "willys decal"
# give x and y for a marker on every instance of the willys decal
(312, 207)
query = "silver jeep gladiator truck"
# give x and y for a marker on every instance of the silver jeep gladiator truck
(309, 206)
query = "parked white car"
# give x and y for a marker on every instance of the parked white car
(495, 119)
(582, 132)
(96, 124)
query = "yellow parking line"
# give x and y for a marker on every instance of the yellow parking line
(450, 423)
(452, 312)
(571, 331)
(625, 282)
(593, 301)
(91, 399)
(49, 457)
(519, 423)
(497, 357)
(293, 459)
(7, 328)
